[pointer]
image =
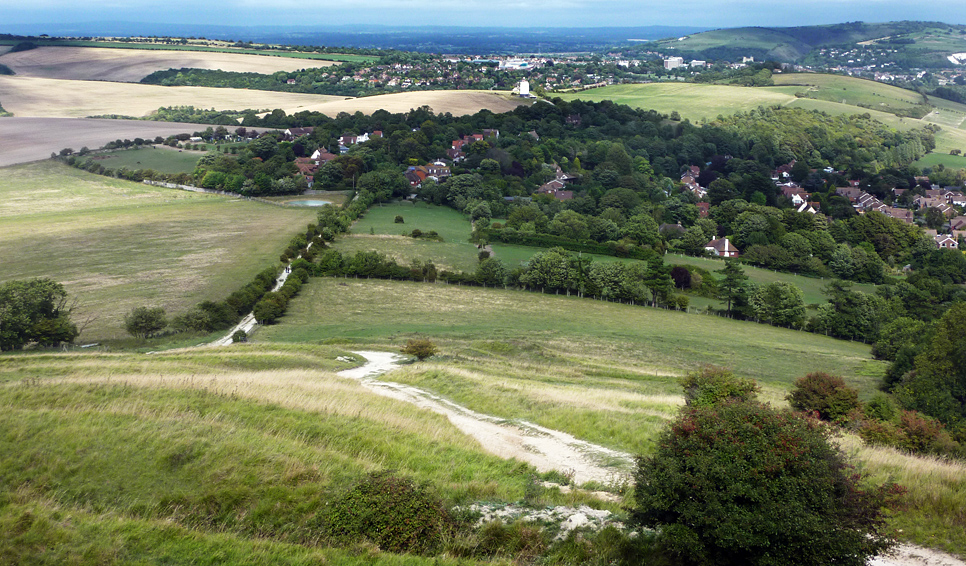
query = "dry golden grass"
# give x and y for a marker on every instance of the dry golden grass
(26, 96)
(456, 102)
(132, 65)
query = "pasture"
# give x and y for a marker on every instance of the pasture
(948, 161)
(378, 231)
(116, 245)
(695, 102)
(851, 91)
(159, 158)
(132, 65)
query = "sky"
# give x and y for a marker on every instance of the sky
(503, 13)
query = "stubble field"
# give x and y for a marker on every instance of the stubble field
(131, 65)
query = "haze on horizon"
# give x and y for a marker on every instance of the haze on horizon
(478, 13)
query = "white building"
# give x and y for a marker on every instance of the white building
(673, 62)
(525, 88)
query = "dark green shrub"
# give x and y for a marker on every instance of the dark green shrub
(739, 483)
(399, 219)
(391, 511)
(824, 394)
(883, 408)
(143, 322)
(239, 336)
(714, 384)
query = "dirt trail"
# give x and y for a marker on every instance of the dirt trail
(545, 449)
(548, 449)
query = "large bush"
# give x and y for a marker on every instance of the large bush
(391, 511)
(34, 310)
(713, 385)
(824, 394)
(741, 483)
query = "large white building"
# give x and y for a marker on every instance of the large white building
(525, 88)
(673, 62)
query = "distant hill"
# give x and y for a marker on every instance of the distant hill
(926, 40)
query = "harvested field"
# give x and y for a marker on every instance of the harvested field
(31, 139)
(456, 102)
(26, 96)
(132, 65)
(51, 98)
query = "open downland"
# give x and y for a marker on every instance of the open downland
(116, 245)
(25, 96)
(132, 65)
(32, 139)
(604, 372)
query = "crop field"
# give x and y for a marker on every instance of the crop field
(132, 65)
(32, 139)
(159, 158)
(25, 96)
(116, 245)
(456, 102)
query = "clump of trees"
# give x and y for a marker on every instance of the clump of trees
(34, 311)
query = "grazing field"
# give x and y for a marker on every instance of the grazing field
(32, 139)
(26, 96)
(131, 65)
(698, 102)
(116, 245)
(851, 91)
(377, 230)
(159, 158)
(693, 101)
(948, 161)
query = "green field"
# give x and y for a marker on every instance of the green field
(377, 230)
(116, 245)
(161, 159)
(949, 161)
(852, 91)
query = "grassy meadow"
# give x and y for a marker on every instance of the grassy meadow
(377, 230)
(116, 245)
(212, 456)
(161, 159)
(832, 94)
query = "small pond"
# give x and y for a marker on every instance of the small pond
(308, 202)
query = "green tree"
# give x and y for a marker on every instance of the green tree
(733, 287)
(779, 303)
(143, 322)
(938, 386)
(34, 310)
(739, 483)
(712, 385)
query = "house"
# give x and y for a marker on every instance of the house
(321, 157)
(722, 247)
(957, 223)
(293, 133)
(415, 177)
(704, 208)
(946, 242)
(904, 214)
